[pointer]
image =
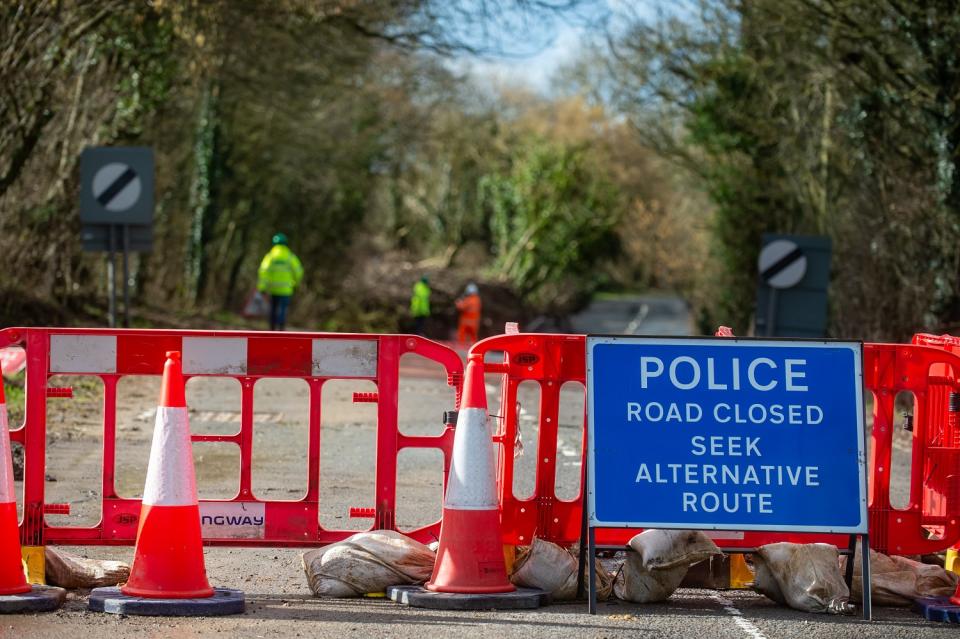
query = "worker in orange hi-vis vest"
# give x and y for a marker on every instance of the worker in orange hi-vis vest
(469, 306)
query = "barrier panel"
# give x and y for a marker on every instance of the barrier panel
(247, 357)
(927, 524)
(940, 427)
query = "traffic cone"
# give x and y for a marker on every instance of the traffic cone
(12, 579)
(470, 557)
(168, 560)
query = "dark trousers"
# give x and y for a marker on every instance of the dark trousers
(420, 325)
(278, 311)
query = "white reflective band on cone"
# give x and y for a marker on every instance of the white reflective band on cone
(6, 460)
(472, 482)
(170, 476)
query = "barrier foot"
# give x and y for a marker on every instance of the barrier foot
(937, 609)
(34, 562)
(420, 597)
(741, 577)
(951, 563)
(37, 599)
(224, 601)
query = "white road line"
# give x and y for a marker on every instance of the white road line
(744, 624)
(635, 323)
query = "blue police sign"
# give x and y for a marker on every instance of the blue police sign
(726, 434)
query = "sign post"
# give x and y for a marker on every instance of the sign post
(782, 264)
(794, 275)
(726, 434)
(116, 197)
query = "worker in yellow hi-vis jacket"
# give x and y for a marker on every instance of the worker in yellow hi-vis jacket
(280, 273)
(420, 305)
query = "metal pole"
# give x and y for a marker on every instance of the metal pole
(582, 559)
(851, 557)
(126, 276)
(771, 313)
(866, 585)
(112, 279)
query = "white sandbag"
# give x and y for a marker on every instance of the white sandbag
(70, 571)
(550, 567)
(636, 583)
(661, 549)
(659, 563)
(899, 581)
(765, 581)
(805, 577)
(367, 562)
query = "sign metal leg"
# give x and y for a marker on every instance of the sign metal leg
(848, 572)
(866, 586)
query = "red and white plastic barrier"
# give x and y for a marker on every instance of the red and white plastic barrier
(247, 357)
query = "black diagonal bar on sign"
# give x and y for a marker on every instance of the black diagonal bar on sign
(782, 263)
(118, 185)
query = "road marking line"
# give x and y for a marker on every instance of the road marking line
(744, 624)
(635, 323)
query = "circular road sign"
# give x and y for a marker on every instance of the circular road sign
(782, 264)
(116, 186)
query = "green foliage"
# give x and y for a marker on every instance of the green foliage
(552, 219)
(143, 49)
(336, 123)
(819, 116)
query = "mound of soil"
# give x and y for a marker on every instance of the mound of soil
(387, 284)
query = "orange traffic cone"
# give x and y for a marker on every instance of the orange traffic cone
(12, 579)
(168, 561)
(470, 556)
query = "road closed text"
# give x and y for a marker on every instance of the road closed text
(726, 473)
(726, 413)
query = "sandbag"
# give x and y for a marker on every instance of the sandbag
(256, 305)
(550, 567)
(659, 562)
(662, 549)
(805, 577)
(365, 563)
(899, 581)
(70, 571)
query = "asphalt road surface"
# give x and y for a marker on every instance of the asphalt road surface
(279, 601)
(636, 315)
